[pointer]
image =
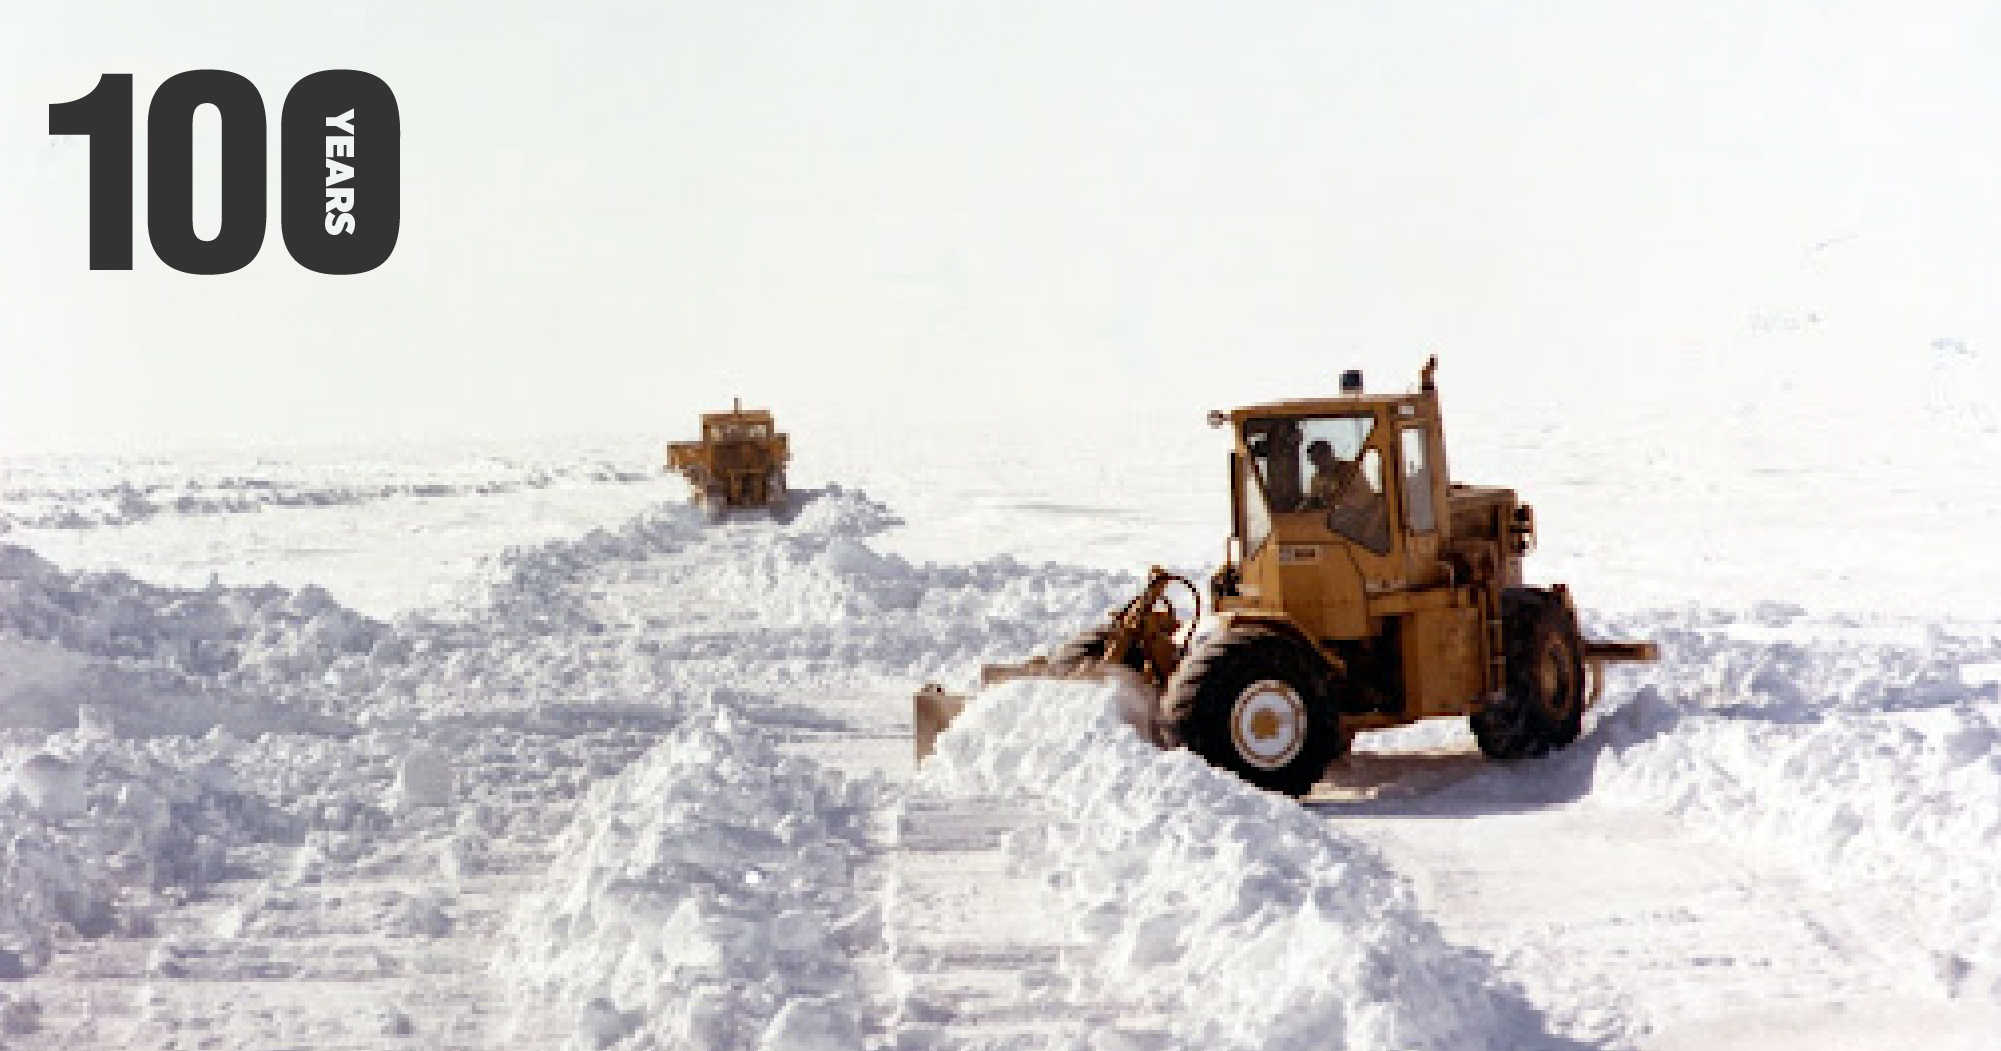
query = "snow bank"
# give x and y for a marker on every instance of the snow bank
(706, 898)
(1244, 919)
(270, 632)
(534, 589)
(837, 600)
(119, 777)
(810, 593)
(95, 827)
(163, 660)
(807, 596)
(1871, 762)
(1859, 799)
(835, 511)
(136, 493)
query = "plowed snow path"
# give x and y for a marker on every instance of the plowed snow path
(1633, 928)
(1623, 926)
(824, 643)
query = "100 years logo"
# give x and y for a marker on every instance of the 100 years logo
(339, 177)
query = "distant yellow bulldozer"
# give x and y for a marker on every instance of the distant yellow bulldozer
(1361, 590)
(739, 462)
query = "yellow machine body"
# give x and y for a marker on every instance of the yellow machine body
(1349, 539)
(738, 462)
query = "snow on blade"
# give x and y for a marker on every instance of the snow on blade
(1244, 920)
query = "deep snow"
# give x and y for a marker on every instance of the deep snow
(540, 758)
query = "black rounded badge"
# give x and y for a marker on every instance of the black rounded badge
(340, 172)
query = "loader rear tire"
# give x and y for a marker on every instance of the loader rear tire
(1087, 647)
(1257, 702)
(1544, 706)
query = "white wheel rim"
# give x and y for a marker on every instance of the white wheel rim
(1268, 724)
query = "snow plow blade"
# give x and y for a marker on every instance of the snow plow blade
(1598, 654)
(935, 710)
(1615, 652)
(934, 707)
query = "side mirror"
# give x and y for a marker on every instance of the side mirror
(1218, 418)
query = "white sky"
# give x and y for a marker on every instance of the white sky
(617, 214)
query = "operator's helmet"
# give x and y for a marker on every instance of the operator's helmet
(1318, 447)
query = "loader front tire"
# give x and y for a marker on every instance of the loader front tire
(1544, 705)
(1257, 702)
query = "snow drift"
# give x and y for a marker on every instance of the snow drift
(1247, 921)
(1872, 762)
(707, 898)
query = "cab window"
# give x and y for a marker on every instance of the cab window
(1324, 466)
(1417, 508)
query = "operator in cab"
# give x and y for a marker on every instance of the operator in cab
(1336, 482)
(1343, 489)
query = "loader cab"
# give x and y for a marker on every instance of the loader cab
(1334, 501)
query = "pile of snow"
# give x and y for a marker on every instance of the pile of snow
(97, 827)
(269, 632)
(1863, 800)
(1870, 762)
(706, 898)
(1866, 752)
(121, 778)
(921, 620)
(813, 589)
(834, 511)
(1777, 660)
(534, 589)
(180, 660)
(164, 660)
(1238, 916)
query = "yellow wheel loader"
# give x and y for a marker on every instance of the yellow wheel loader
(1361, 590)
(739, 462)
